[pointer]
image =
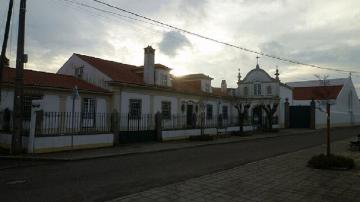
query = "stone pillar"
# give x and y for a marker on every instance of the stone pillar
(287, 114)
(158, 126)
(115, 126)
(312, 114)
(35, 108)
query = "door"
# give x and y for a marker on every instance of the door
(257, 116)
(189, 115)
(299, 116)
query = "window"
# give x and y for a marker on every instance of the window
(27, 105)
(207, 87)
(269, 90)
(246, 91)
(225, 112)
(88, 108)
(166, 110)
(209, 112)
(135, 108)
(88, 112)
(163, 79)
(257, 89)
(79, 71)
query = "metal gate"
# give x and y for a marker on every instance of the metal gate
(299, 116)
(137, 129)
(137, 136)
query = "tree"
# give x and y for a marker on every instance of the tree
(270, 111)
(242, 109)
(323, 97)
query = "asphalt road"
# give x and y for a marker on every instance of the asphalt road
(108, 178)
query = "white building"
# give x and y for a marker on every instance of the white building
(55, 91)
(345, 107)
(150, 88)
(186, 103)
(259, 88)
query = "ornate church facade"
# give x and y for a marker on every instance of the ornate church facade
(259, 89)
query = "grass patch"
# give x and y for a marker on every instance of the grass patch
(331, 162)
(201, 138)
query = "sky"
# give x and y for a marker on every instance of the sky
(319, 32)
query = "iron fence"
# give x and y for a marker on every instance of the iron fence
(143, 122)
(67, 123)
(64, 123)
(175, 122)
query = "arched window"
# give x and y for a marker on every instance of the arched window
(257, 89)
(269, 90)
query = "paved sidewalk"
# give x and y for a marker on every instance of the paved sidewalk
(136, 148)
(281, 178)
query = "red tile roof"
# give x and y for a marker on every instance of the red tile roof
(43, 79)
(218, 92)
(132, 74)
(161, 66)
(116, 71)
(187, 86)
(157, 66)
(195, 77)
(316, 92)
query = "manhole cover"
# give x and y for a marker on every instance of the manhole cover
(12, 182)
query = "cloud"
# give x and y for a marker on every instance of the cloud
(172, 42)
(319, 32)
(339, 56)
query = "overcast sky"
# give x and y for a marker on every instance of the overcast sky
(320, 32)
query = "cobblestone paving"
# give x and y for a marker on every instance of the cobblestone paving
(281, 178)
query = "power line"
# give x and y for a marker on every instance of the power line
(90, 9)
(222, 42)
(113, 13)
(127, 19)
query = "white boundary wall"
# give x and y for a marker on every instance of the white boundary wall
(62, 143)
(168, 135)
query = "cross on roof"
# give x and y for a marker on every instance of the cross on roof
(257, 59)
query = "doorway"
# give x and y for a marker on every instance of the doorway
(257, 116)
(189, 115)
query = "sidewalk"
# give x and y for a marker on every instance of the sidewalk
(136, 148)
(280, 178)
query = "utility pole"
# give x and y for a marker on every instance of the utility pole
(21, 58)
(3, 60)
(328, 129)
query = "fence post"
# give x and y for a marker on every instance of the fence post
(312, 114)
(6, 120)
(202, 123)
(115, 126)
(158, 127)
(287, 114)
(35, 107)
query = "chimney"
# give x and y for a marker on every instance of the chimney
(223, 86)
(149, 68)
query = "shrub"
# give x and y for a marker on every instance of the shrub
(201, 138)
(331, 162)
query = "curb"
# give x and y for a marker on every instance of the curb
(37, 158)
